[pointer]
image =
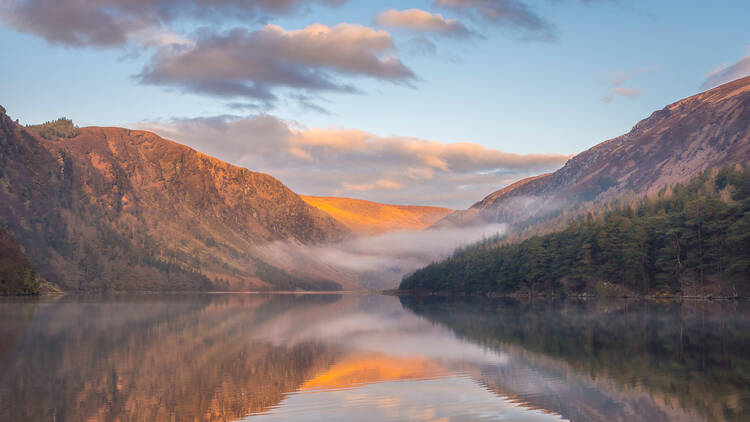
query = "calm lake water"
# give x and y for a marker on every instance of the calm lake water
(370, 358)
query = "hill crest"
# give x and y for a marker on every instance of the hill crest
(371, 218)
(706, 130)
(121, 209)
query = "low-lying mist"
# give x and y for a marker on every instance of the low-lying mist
(379, 262)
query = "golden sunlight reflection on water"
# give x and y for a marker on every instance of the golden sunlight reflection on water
(445, 398)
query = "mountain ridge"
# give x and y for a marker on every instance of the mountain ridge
(702, 131)
(119, 209)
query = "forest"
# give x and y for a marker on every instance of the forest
(60, 128)
(690, 239)
(17, 277)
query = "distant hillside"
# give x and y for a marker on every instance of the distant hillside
(683, 240)
(112, 208)
(371, 218)
(704, 131)
(692, 239)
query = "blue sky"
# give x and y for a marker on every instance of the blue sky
(498, 90)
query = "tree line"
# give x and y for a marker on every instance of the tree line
(691, 238)
(60, 128)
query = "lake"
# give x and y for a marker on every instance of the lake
(329, 357)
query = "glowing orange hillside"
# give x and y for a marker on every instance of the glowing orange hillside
(369, 218)
(374, 368)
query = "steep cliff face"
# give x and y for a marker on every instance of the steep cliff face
(372, 218)
(703, 131)
(112, 208)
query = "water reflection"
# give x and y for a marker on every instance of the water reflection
(612, 361)
(348, 357)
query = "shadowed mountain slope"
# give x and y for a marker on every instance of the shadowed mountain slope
(110, 208)
(371, 218)
(704, 131)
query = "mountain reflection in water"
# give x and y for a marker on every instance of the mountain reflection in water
(370, 358)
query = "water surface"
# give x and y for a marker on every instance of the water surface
(371, 358)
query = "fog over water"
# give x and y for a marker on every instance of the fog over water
(379, 262)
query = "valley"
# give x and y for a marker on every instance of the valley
(111, 209)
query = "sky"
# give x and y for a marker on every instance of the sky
(434, 102)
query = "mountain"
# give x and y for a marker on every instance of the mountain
(692, 239)
(664, 209)
(372, 218)
(103, 208)
(706, 130)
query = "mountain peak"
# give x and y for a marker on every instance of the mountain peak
(703, 131)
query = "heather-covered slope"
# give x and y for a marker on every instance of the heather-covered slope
(112, 208)
(371, 218)
(704, 131)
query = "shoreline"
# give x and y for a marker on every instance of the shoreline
(387, 292)
(401, 293)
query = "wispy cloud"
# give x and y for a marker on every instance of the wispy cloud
(727, 73)
(619, 79)
(112, 23)
(421, 21)
(251, 64)
(512, 15)
(347, 162)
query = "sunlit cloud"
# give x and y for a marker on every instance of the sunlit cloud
(619, 79)
(379, 184)
(349, 162)
(252, 64)
(418, 20)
